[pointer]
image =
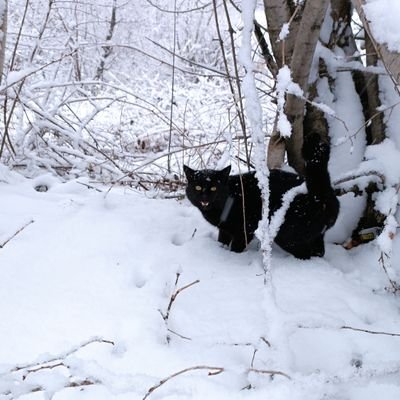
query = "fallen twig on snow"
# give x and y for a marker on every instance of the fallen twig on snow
(18, 385)
(369, 331)
(394, 285)
(16, 233)
(211, 372)
(352, 329)
(62, 355)
(269, 372)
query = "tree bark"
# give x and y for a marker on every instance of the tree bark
(107, 49)
(303, 53)
(376, 129)
(390, 59)
(278, 13)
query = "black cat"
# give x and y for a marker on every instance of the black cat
(233, 203)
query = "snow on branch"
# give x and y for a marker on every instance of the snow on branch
(285, 85)
(211, 371)
(254, 113)
(49, 374)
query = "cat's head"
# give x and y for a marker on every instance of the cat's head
(207, 188)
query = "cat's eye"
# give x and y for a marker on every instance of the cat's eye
(213, 188)
(198, 188)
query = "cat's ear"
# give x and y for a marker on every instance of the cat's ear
(226, 171)
(189, 172)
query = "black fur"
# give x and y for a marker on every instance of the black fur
(221, 198)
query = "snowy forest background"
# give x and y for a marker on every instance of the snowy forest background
(112, 285)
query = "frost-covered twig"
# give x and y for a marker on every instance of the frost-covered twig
(16, 382)
(358, 182)
(62, 355)
(23, 391)
(353, 176)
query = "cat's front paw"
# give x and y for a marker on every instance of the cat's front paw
(224, 237)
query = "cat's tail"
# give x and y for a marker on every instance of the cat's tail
(316, 157)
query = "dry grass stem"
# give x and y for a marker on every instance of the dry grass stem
(212, 371)
(16, 233)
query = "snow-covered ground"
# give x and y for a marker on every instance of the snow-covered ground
(94, 268)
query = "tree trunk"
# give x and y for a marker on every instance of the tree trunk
(107, 49)
(297, 51)
(278, 13)
(303, 54)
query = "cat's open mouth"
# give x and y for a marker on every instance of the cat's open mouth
(205, 204)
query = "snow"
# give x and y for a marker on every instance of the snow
(284, 84)
(284, 31)
(384, 24)
(347, 133)
(96, 266)
(386, 157)
(118, 295)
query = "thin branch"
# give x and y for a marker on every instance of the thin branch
(266, 53)
(369, 331)
(212, 371)
(191, 62)
(353, 176)
(172, 102)
(175, 295)
(178, 334)
(238, 106)
(175, 11)
(16, 233)
(269, 372)
(395, 286)
(62, 355)
(238, 85)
